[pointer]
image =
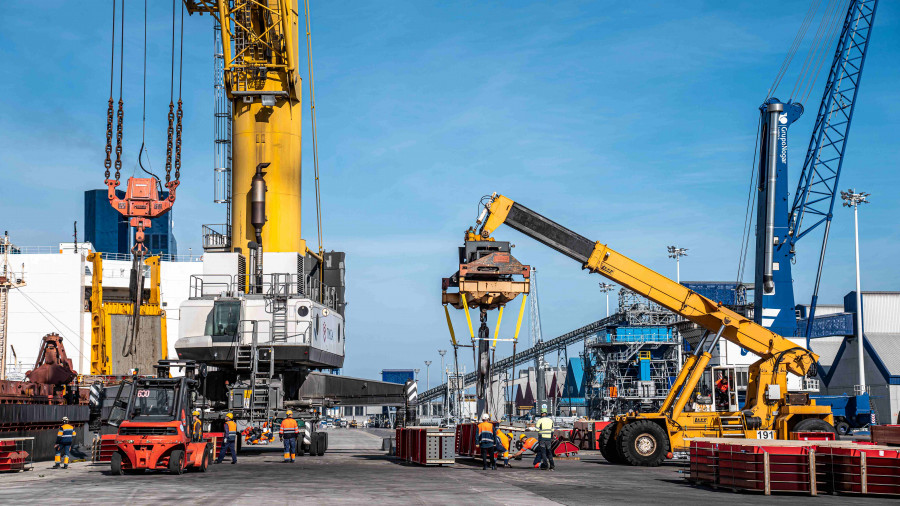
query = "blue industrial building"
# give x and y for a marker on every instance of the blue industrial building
(108, 231)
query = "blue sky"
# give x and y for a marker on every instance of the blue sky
(630, 123)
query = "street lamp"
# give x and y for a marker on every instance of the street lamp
(606, 288)
(853, 199)
(443, 378)
(417, 374)
(676, 253)
(427, 374)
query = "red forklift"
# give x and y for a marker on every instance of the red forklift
(153, 416)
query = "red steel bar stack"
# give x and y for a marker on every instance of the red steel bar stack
(426, 446)
(12, 458)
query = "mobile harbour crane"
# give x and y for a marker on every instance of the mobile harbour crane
(770, 411)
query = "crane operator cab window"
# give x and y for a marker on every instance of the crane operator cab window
(224, 319)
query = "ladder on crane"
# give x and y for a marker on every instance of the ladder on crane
(8, 281)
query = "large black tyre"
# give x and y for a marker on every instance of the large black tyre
(322, 443)
(313, 444)
(842, 427)
(176, 462)
(115, 464)
(814, 425)
(607, 443)
(643, 443)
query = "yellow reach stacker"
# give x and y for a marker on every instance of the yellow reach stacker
(646, 439)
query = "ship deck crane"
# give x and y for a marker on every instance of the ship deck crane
(646, 439)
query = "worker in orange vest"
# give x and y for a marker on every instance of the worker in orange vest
(529, 443)
(289, 432)
(485, 440)
(65, 436)
(228, 445)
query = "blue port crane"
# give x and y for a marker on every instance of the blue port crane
(779, 228)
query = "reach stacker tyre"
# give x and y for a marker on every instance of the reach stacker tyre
(814, 425)
(607, 443)
(643, 443)
(322, 446)
(115, 464)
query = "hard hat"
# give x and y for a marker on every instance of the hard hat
(289, 413)
(522, 436)
(485, 416)
(65, 419)
(196, 412)
(229, 416)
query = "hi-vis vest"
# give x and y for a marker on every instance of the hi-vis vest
(486, 434)
(529, 443)
(230, 431)
(545, 427)
(289, 428)
(65, 435)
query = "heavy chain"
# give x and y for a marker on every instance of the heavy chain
(109, 132)
(120, 116)
(178, 143)
(171, 132)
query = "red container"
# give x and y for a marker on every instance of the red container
(216, 438)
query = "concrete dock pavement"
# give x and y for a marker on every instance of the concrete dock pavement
(355, 471)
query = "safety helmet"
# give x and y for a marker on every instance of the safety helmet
(522, 436)
(229, 416)
(196, 412)
(65, 419)
(485, 416)
(543, 411)
(289, 413)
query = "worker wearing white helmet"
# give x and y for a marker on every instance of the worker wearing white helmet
(64, 439)
(485, 440)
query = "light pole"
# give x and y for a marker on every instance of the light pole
(676, 253)
(443, 378)
(606, 288)
(427, 374)
(853, 199)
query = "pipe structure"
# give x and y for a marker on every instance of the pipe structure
(774, 111)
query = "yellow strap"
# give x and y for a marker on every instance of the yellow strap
(450, 326)
(497, 328)
(521, 313)
(468, 318)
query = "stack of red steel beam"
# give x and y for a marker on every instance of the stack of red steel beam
(426, 445)
(796, 466)
(11, 458)
(864, 469)
(104, 448)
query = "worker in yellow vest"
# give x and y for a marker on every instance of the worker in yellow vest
(64, 439)
(544, 426)
(503, 446)
(228, 445)
(289, 432)
(196, 427)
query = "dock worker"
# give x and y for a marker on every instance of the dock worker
(231, 434)
(545, 439)
(196, 427)
(289, 432)
(503, 446)
(529, 444)
(64, 438)
(485, 439)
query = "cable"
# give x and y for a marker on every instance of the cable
(798, 39)
(43, 312)
(751, 200)
(312, 105)
(144, 112)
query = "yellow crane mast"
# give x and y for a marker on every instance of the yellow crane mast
(770, 411)
(259, 46)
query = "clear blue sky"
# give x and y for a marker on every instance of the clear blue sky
(632, 124)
